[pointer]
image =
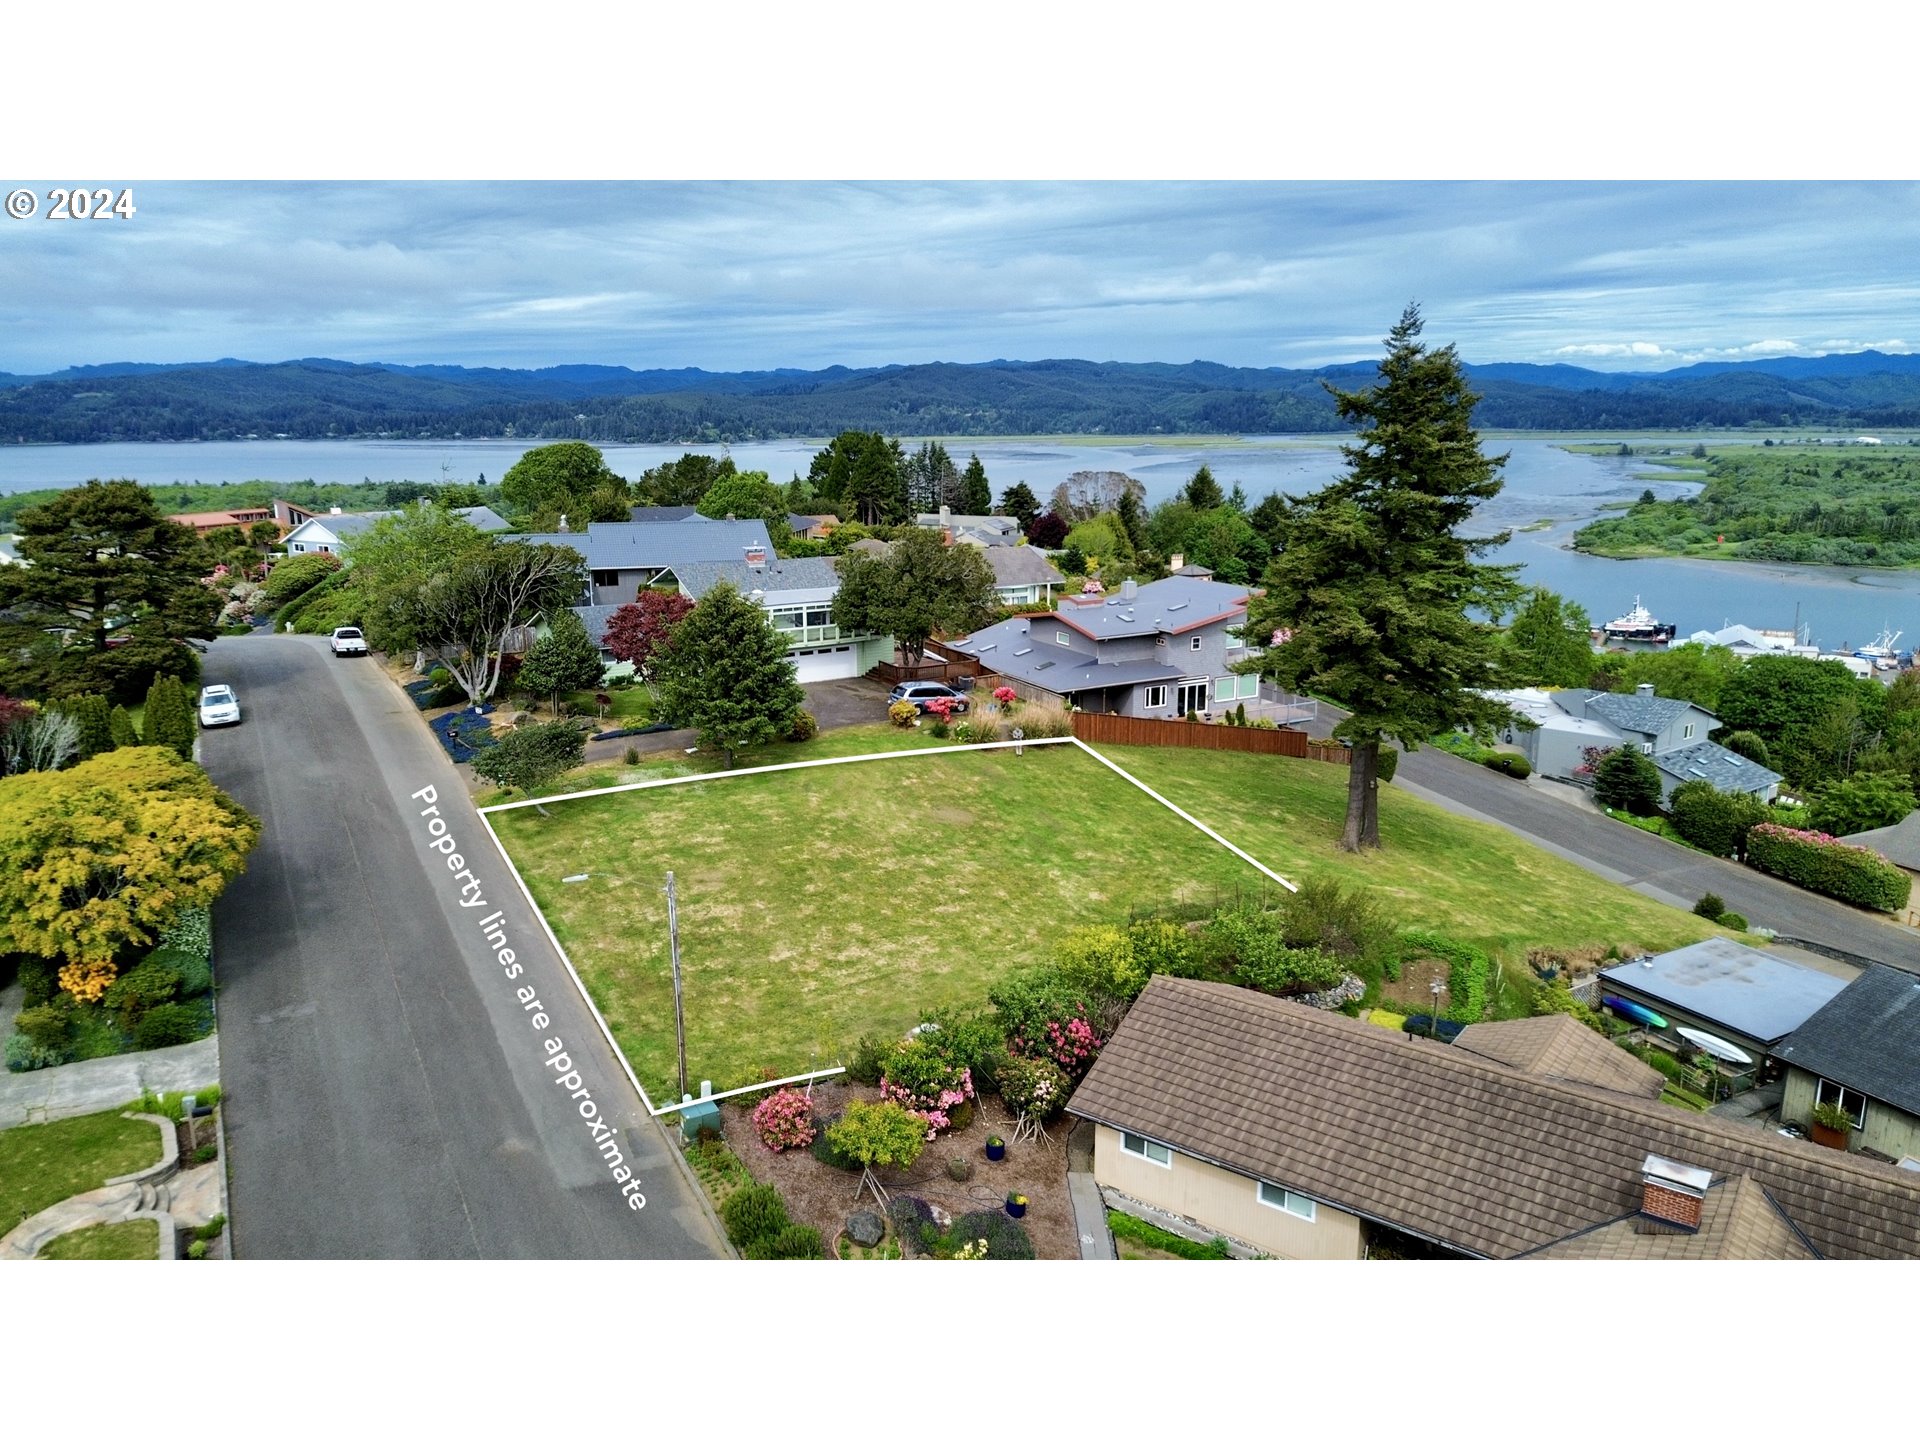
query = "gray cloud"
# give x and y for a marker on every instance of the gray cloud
(746, 275)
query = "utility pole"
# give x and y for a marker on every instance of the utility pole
(679, 1015)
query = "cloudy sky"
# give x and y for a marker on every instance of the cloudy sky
(733, 276)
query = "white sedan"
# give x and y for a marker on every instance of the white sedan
(219, 706)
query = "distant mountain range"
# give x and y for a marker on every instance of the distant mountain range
(320, 398)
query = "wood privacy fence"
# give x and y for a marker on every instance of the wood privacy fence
(1130, 730)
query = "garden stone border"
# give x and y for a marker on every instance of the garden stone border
(169, 1161)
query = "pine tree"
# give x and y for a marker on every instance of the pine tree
(1020, 502)
(976, 495)
(565, 658)
(1203, 491)
(1374, 588)
(169, 717)
(94, 718)
(120, 727)
(725, 672)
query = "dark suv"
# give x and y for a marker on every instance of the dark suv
(918, 693)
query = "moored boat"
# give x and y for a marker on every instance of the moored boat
(1638, 624)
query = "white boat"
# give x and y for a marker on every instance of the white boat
(1714, 1046)
(1881, 652)
(1638, 624)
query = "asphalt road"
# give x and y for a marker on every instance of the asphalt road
(386, 1095)
(1656, 867)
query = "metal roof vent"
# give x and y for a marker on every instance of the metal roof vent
(1127, 615)
(1024, 650)
(1181, 606)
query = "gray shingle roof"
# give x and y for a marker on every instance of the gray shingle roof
(1441, 1142)
(1055, 667)
(1866, 1038)
(479, 516)
(1899, 843)
(595, 618)
(654, 545)
(1021, 565)
(658, 514)
(792, 581)
(1763, 996)
(1164, 607)
(1647, 714)
(1717, 765)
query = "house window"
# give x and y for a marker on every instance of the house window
(1156, 698)
(606, 577)
(1646, 747)
(1060, 638)
(1851, 1101)
(1194, 643)
(1146, 1149)
(1235, 640)
(1228, 688)
(1686, 732)
(1287, 1200)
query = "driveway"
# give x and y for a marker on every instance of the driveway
(837, 704)
(1656, 867)
(386, 1091)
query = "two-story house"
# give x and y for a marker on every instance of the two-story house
(1158, 651)
(625, 557)
(1564, 725)
(329, 533)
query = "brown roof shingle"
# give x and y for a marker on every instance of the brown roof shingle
(1737, 1222)
(1445, 1143)
(1560, 1045)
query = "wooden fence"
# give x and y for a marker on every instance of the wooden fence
(947, 670)
(1129, 730)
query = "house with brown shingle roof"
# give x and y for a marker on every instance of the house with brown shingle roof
(1311, 1135)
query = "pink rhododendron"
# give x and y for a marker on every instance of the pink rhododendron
(784, 1120)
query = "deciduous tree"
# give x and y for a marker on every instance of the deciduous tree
(101, 858)
(636, 631)
(570, 479)
(465, 613)
(725, 672)
(1047, 530)
(681, 482)
(565, 658)
(918, 587)
(393, 558)
(1087, 493)
(745, 495)
(1375, 589)
(529, 756)
(1550, 641)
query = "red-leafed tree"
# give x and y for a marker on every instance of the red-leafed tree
(636, 630)
(1047, 530)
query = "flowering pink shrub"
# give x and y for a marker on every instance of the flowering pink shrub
(1815, 860)
(940, 709)
(784, 1120)
(1005, 695)
(923, 1081)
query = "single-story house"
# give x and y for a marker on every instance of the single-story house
(1310, 1135)
(623, 557)
(1861, 1051)
(1900, 844)
(1022, 575)
(798, 598)
(1158, 650)
(327, 533)
(1565, 724)
(1750, 997)
(813, 527)
(985, 530)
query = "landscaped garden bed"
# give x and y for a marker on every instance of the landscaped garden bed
(822, 1195)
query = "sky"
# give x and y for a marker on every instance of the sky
(753, 275)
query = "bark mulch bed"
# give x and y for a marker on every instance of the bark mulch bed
(821, 1196)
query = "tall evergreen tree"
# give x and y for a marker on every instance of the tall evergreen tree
(94, 719)
(1203, 491)
(725, 672)
(1368, 600)
(565, 658)
(120, 727)
(1020, 502)
(1132, 522)
(976, 495)
(169, 718)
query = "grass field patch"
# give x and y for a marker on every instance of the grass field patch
(41, 1165)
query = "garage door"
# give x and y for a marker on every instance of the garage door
(835, 664)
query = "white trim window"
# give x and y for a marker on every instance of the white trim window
(1060, 638)
(1228, 688)
(1646, 747)
(1236, 640)
(1274, 1197)
(1155, 698)
(1195, 642)
(1152, 1151)
(1851, 1101)
(1686, 732)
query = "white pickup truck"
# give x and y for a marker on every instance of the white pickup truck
(348, 640)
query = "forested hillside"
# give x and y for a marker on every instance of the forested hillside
(314, 399)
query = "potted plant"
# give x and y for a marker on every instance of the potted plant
(1016, 1204)
(996, 1148)
(1831, 1126)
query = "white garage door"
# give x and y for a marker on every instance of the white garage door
(835, 664)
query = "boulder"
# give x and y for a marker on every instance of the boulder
(865, 1228)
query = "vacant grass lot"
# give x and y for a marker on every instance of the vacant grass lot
(41, 1165)
(1466, 879)
(817, 905)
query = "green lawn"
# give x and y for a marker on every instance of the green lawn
(129, 1240)
(632, 706)
(41, 1165)
(1466, 879)
(817, 905)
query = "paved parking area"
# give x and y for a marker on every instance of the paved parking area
(837, 704)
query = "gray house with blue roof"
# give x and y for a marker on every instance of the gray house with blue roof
(1158, 651)
(1563, 725)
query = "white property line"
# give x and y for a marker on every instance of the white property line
(580, 984)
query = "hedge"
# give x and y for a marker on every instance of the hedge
(1819, 862)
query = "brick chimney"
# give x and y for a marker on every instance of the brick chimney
(1670, 1195)
(756, 557)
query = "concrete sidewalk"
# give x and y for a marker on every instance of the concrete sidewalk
(87, 1086)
